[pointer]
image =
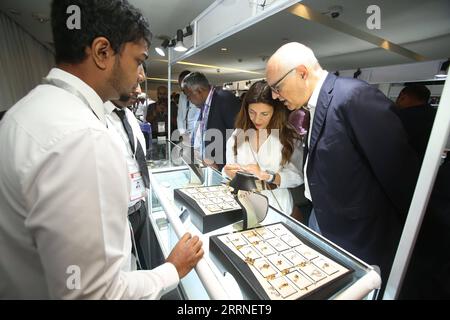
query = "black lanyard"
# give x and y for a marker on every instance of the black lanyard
(187, 113)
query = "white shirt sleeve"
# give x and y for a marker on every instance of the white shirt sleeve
(231, 158)
(181, 115)
(78, 198)
(291, 174)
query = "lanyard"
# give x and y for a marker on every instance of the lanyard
(69, 88)
(187, 114)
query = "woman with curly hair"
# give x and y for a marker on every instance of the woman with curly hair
(266, 145)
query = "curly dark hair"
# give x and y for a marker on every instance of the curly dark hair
(116, 20)
(260, 92)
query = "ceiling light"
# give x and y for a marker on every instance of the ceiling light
(180, 45)
(161, 50)
(443, 70)
(223, 49)
(211, 66)
(160, 79)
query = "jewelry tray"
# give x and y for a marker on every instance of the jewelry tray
(273, 262)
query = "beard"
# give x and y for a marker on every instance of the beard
(124, 97)
(115, 82)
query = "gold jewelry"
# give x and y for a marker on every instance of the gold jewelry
(285, 272)
(285, 284)
(316, 273)
(270, 277)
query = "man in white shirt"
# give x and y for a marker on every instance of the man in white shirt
(64, 185)
(187, 112)
(127, 133)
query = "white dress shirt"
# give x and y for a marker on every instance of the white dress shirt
(201, 125)
(312, 103)
(142, 107)
(187, 114)
(63, 202)
(269, 158)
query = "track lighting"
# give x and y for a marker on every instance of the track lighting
(161, 50)
(179, 46)
(176, 43)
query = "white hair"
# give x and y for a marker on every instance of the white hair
(293, 54)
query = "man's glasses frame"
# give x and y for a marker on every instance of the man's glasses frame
(274, 87)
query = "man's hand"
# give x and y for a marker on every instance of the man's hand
(186, 253)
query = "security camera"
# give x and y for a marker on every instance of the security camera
(335, 11)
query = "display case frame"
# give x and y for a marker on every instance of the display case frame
(212, 278)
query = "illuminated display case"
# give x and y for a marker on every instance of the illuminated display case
(216, 277)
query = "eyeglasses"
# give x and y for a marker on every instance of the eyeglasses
(275, 87)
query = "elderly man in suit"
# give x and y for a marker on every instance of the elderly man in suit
(360, 171)
(218, 112)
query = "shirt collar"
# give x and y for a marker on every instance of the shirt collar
(209, 98)
(312, 103)
(109, 107)
(94, 100)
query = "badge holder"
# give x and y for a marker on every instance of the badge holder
(161, 132)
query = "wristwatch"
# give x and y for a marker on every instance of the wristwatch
(272, 176)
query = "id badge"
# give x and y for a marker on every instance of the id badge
(161, 127)
(137, 187)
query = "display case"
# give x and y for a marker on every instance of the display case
(217, 277)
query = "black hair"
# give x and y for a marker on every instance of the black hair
(195, 80)
(183, 74)
(418, 91)
(116, 20)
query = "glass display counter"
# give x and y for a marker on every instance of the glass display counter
(213, 277)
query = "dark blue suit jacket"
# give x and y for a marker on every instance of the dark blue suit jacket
(222, 114)
(361, 170)
(418, 122)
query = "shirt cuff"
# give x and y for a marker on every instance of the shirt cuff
(286, 180)
(169, 275)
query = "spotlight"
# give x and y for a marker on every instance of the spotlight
(180, 45)
(443, 70)
(161, 50)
